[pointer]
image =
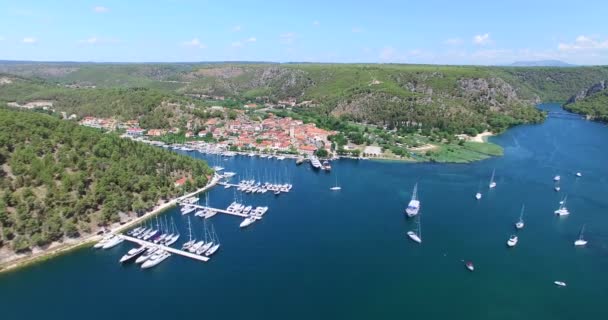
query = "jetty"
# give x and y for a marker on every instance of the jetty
(168, 249)
(238, 214)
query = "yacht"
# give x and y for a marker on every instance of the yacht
(113, 242)
(470, 266)
(414, 205)
(171, 240)
(216, 243)
(155, 259)
(146, 255)
(280, 157)
(228, 174)
(492, 184)
(560, 283)
(133, 253)
(581, 241)
(520, 223)
(578, 174)
(326, 165)
(512, 241)
(314, 161)
(247, 221)
(562, 210)
(103, 241)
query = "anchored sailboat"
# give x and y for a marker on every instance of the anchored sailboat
(478, 194)
(336, 187)
(520, 223)
(190, 241)
(414, 205)
(580, 241)
(562, 210)
(492, 182)
(416, 235)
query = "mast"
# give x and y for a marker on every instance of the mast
(492, 178)
(420, 226)
(521, 215)
(415, 192)
(189, 229)
(580, 235)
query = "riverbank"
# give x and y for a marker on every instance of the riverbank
(56, 249)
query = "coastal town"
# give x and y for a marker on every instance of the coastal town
(270, 135)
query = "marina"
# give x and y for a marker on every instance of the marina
(165, 248)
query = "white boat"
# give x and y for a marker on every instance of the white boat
(229, 174)
(103, 241)
(557, 188)
(135, 252)
(171, 240)
(217, 168)
(578, 174)
(196, 246)
(210, 213)
(416, 235)
(562, 210)
(492, 182)
(581, 241)
(146, 255)
(247, 221)
(190, 241)
(560, 283)
(216, 243)
(280, 157)
(155, 259)
(557, 178)
(520, 223)
(113, 242)
(414, 205)
(336, 187)
(478, 195)
(469, 265)
(314, 161)
(512, 241)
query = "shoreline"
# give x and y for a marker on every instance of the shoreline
(481, 137)
(79, 243)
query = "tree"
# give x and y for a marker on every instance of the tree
(322, 153)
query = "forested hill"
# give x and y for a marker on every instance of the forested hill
(58, 179)
(450, 99)
(591, 102)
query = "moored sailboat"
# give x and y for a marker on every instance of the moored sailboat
(562, 210)
(520, 223)
(580, 241)
(416, 236)
(414, 205)
(492, 182)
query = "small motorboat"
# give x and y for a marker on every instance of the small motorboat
(470, 266)
(336, 188)
(512, 241)
(478, 195)
(557, 178)
(578, 174)
(560, 283)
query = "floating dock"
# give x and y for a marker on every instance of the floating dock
(242, 215)
(168, 249)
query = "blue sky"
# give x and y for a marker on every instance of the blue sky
(438, 32)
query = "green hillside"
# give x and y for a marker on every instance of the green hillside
(58, 179)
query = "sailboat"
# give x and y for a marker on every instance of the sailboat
(557, 178)
(414, 205)
(190, 241)
(416, 235)
(580, 241)
(520, 223)
(562, 210)
(557, 188)
(492, 182)
(216, 242)
(336, 187)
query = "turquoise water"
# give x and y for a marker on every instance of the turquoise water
(326, 255)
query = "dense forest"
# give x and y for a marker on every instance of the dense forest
(58, 179)
(594, 106)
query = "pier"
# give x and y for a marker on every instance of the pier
(242, 215)
(168, 249)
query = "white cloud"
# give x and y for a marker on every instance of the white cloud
(100, 9)
(356, 30)
(316, 23)
(91, 40)
(251, 39)
(288, 37)
(29, 40)
(387, 54)
(236, 28)
(586, 43)
(482, 39)
(194, 43)
(237, 44)
(453, 41)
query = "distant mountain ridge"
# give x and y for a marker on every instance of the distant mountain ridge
(541, 63)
